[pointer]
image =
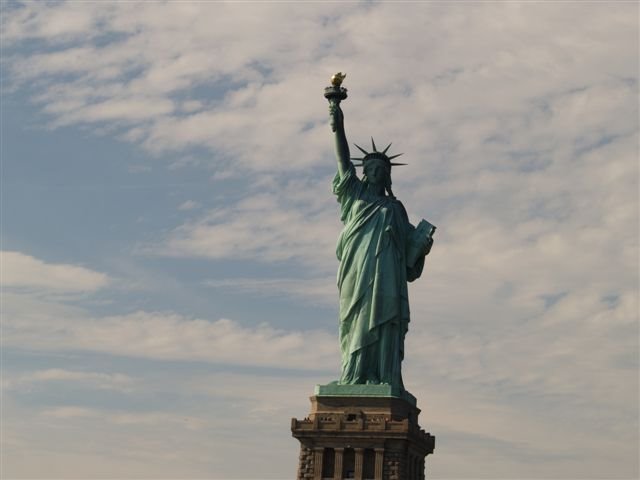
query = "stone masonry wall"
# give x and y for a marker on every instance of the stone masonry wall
(305, 465)
(394, 467)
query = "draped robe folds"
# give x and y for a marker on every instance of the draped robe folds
(372, 281)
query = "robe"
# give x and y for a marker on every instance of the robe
(372, 281)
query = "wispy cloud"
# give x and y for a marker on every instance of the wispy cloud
(519, 122)
(126, 418)
(189, 205)
(167, 336)
(298, 222)
(322, 290)
(100, 380)
(88, 434)
(263, 98)
(23, 271)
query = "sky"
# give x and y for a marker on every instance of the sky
(168, 231)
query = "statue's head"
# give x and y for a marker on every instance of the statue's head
(377, 172)
(377, 166)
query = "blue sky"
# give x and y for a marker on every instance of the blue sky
(168, 230)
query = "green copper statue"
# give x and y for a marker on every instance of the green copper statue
(379, 252)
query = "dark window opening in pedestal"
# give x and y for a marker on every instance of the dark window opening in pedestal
(369, 464)
(328, 462)
(410, 468)
(349, 463)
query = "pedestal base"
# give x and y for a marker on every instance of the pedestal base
(337, 390)
(373, 437)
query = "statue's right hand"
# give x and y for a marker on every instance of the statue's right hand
(336, 117)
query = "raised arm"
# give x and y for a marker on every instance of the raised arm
(339, 137)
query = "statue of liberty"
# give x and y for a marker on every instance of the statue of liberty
(379, 252)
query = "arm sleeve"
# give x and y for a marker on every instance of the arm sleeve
(414, 271)
(347, 189)
(415, 260)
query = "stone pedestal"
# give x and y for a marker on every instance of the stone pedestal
(372, 436)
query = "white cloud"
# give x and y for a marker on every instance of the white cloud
(295, 221)
(267, 97)
(184, 440)
(519, 122)
(69, 412)
(23, 271)
(322, 290)
(126, 418)
(116, 443)
(165, 336)
(103, 381)
(189, 205)
(32, 20)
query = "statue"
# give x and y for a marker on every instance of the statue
(379, 252)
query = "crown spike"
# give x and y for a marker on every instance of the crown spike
(385, 150)
(373, 145)
(395, 156)
(361, 149)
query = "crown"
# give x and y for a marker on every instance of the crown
(375, 154)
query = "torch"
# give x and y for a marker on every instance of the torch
(335, 93)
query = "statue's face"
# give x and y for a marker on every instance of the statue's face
(377, 172)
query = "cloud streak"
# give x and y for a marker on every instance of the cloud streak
(164, 336)
(26, 272)
(519, 121)
(103, 381)
(262, 99)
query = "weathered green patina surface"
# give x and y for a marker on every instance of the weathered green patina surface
(379, 252)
